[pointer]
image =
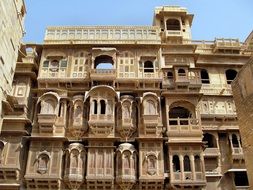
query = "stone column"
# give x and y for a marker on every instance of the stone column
(192, 166)
(181, 159)
(231, 143)
(171, 167)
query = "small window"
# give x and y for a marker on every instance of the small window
(45, 63)
(169, 75)
(197, 162)
(64, 63)
(235, 141)
(230, 75)
(181, 72)
(176, 163)
(187, 164)
(173, 24)
(148, 67)
(95, 107)
(103, 107)
(43, 160)
(204, 77)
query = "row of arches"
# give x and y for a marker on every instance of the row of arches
(186, 167)
(204, 76)
(211, 141)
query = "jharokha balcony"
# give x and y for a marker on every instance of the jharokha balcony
(184, 129)
(101, 124)
(46, 122)
(103, 74)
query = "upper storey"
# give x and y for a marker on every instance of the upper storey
(175, 23)
(171, 23)
(103, 35)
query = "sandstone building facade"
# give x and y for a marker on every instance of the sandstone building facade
(125, 107)
(12, 30)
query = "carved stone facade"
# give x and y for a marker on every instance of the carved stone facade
(125, 107)
(12, 30)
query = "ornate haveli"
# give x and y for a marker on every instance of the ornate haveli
(125, 107)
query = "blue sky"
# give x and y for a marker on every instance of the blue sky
(212, 18)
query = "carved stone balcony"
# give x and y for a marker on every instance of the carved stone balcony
(192, 80)
(78, 127)
(168, 83)
(127, 127)
(103, 74)
(183, 80)
(211, 152)
(221, 43)
(103, 35)
(216, 89)
(151, 125)
(237, 153)
(101, 124)
(173, 33)
(74, 174)
(188, 178)
(184, 130)
(46, 122)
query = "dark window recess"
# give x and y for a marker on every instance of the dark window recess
(241, 179)
(64, 63)
(148, 67)
(45, 63)
(176, 163)
(103, 107)
(181, 72)
(204, 77)
(230, 75)
(173, 24)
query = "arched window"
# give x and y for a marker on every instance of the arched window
(95, 107)
(176, 163)
(47, 107)
(100, 159)
(78, 111)
(209, 140)
(103, 62)
(103, 106)
(204, 76)
(181, 72)
(150, 107)
(54, 66)
(126, 160)
(235, 141)
(197, 163)
(173, 24)
(187, 164)
(152, 164)
(1, 151)
(61, 110)
(126, 110)
(169, 75)
(43, 160)
(179, 112)
(230, 75)
(74, 159)
(148, 67)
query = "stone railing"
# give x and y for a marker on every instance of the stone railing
(228, 43)
(184, 128)
(103, 74)
(103, 35)
(211, 152)
(216, 89)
